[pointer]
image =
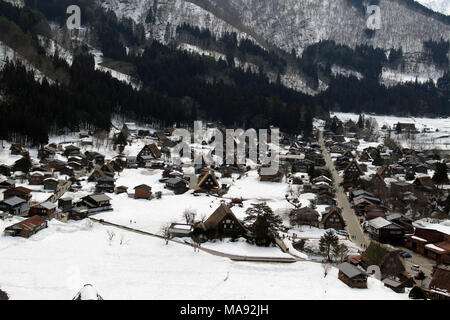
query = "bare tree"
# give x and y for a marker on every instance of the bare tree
(326, 268)
(340, 252)
(293, 197)
(110, 235)
(165, 233)
(123, 241)
(189, 215)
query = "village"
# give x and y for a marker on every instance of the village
(351, 197)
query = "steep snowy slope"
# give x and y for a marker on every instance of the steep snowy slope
(442, 6)
(288, 24)
(297, 24)
(293, 24)
(167, 15)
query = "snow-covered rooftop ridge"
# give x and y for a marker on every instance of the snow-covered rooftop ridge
(443, 226)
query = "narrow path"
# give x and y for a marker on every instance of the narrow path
(353, 226)
(210, 251)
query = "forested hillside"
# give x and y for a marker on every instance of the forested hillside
(177, 86)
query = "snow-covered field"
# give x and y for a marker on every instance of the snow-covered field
(432, 139)
(58, 261)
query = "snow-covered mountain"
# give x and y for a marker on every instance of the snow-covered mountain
(442, 6)
(293, 24)
(288, 24)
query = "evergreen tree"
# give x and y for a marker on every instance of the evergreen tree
(264, 223)
(361, 121)
(23, 164)
(327, 242)
(440, 175)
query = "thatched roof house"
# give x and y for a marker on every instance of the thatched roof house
(88, 292)
(223, 223)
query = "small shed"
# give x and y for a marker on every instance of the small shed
(352, 276)
(27, 228)
(143, 191)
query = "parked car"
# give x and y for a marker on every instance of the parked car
(415, 267)
(406, 255)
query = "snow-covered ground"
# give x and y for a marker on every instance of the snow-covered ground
(58, 261)
(432, 139)
(442, 6)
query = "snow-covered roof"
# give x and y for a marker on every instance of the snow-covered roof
(13, 201)
(441, 227)
(48, 205)
(433, 247)
(379, 223)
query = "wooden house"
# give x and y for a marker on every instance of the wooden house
(385, 231)
(325, 197)
(333, 219)
(14, 205)
(402, 221)
(277, 177)
(352, 276)
(439, 288)
(149, 153)
(79, 213)
(65, 204)
(27, 228)
(55, 165)
(68, 171)
(36, 178)
(97, 202)
(46, 153)
(7, 183)
(208, 182)
(374, 211)
(51, 184)
(177, 185)
(71, 150)
(353, 171)
(45, 209)
(105, 184)
(20, 192)
(164, 141)
(304, 217)
(405, 127)
(143, 191)
(223, 223)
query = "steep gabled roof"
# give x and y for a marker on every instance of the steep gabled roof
(221, 212)
(441, 279)
(205, 176)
